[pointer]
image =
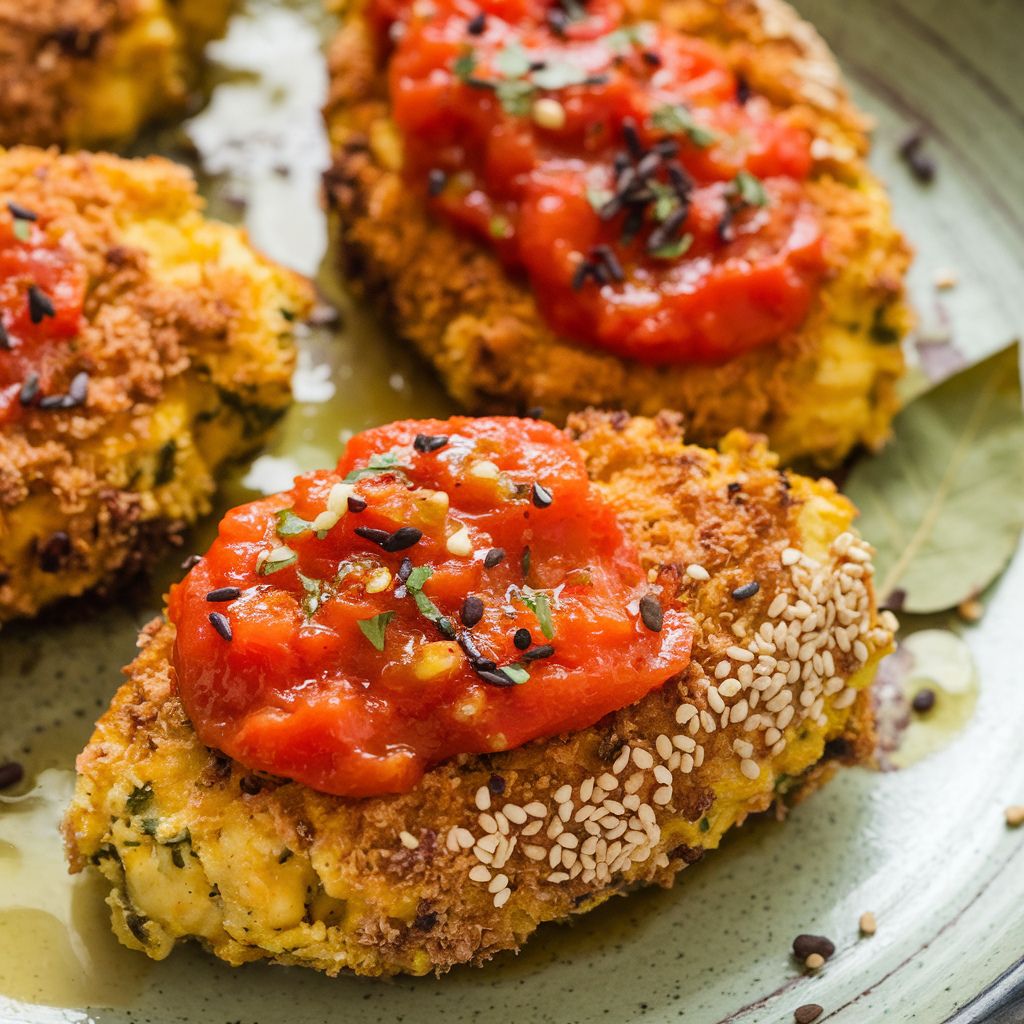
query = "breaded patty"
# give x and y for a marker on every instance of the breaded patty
(819, 391)
(186, 344)
(486, 848)
(91, 72)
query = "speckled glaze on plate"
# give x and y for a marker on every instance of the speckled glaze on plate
(924, 848)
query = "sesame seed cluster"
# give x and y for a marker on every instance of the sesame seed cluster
(818, 631)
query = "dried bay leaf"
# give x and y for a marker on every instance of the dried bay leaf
(944, 502)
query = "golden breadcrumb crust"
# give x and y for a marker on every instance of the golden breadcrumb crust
(253, 866)
(187, 340)
(819, 391)
(86, 72)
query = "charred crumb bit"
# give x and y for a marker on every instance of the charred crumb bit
(867, 923)
(5, 341)
(1015, 815)
(224, 594)
(221, 624)
(19, 212)
(286, 855)
(838, 748)
(733, 486)
(11, 774)
(54, 553)
(250, 784)
(472, 611)
(522, 639)
(477, 24)
(747, 591)
(651, 59)
(543, 651)
(924, 701)
(921, 166)
(137, 926)
(191, 562)
(813, 945)
(651, 613)
(425, 922)
(807, 1013)
(535, 412)
(496, 784)
(40, 305)
(436, 181)
(541, 496)
(29, 390)
(426, 443)
(356, 504)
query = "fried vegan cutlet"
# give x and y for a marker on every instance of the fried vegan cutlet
(486, 848)
(81, 73)
(143, 347)
(821, 389)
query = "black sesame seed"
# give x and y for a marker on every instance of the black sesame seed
(651, 613)
(5, 341)
(632, 138)
(924, 700)
(584, 269)
(525, 562)
(805, 945)
(733, 487)
(496, 784)
(404, 570)
(446, 628)
(373, 535)
(356, 504)
(494, 557)
(747, 590)
(651, 58)
(429, 442)
(56, 402)
(495, 678)
(472, 611)
(404, 537)
(742, 90)
(221, 623)
(436, 181)
(11, 774)
(224, 594)
(541, 496)
(478, 662)
(522, 639)
(29, 390)
(40, 305)
(543, 651)
(19, 212)
(477, 24)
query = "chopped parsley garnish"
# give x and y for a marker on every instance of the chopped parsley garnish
(516, 673)
(139, 798)
(540, 604)
(150, 826)
(749, 189)
(559, 74)
(515, 95)
(374, 628)
(512, 60)
(500, 227)
(291, 525)
(377, 464)
(314, 594)
(272, 565)
(414, 584)
(676, 119)
(22, 230)
(622, 39)
(465, 65)
(599, 198)
(673, 250)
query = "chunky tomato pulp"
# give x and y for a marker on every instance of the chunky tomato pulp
(452, 587)
(42, 288)
(658, 209)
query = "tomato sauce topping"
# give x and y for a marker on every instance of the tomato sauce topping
(657, 208)
(452, 587)
(42, 289)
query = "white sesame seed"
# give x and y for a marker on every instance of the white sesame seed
(845, 699)
(697, 572)
(501, 898)
(779, 747)
(555, 828)
(707, 722)
(514, 813)
(662, 795)
(616, 830)
(497, 883)
(698, 757)
(729, 688)
(586, 789)
(634, 782)
(562, 794)
(722, 669)
(684, 743)
(613, 806)
(630, 802)
(715, 700)
(585, 812)
(569, 858)
(555, 856)
(739, 711)
(489, 843)
(484, 470)
(451, 841)
(408, 840)
(535, 809)
(684, 713)
(622, 760)
(558, 876)
(464, 837)
(790, 556)
(664, 747)
(636, 838)
(739, 653)
(565, 810)
(784, 717)
(860, 651)
(503, 825)
(743, 747)
(771, 736)
(479, 873)
(642, 758)
(534, 852)
(686, 764)
(750, 768)
(532, 829)
(568, 840)
(608, 782)
(483, 798)
(663, 775)
(548, 113)
(646, 814)
(487, 823)
(867, 923)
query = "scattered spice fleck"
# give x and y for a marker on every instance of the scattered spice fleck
(924, 700)
(1015, 815)
(868, 924)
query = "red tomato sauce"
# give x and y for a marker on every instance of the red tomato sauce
(463, 594)
(657, 209)
(34, 350)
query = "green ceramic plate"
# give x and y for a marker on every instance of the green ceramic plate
(925, 847)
